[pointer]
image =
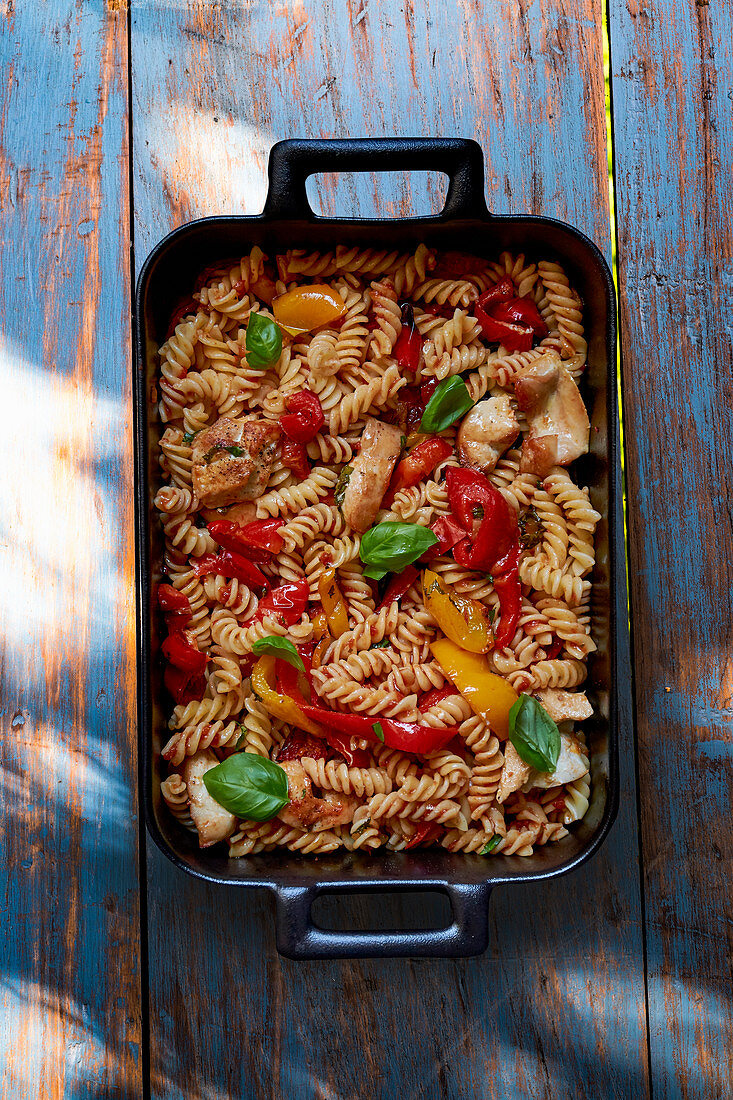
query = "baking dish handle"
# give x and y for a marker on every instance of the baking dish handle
(299, 938)
(293, 161)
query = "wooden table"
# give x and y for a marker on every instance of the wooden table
(120, 976)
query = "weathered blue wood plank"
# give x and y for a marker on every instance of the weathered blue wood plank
(69, 954)
(673, 112)
(557, 1006)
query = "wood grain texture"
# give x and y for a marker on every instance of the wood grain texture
(556, 1007)
(70, 1021)
(673, 112)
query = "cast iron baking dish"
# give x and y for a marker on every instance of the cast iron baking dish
(465, 223)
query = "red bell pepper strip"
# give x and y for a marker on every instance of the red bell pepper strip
(506, 319)
(511, 337)
(398, 586)
(437, 695)
(181, 650)
(304, 418)
(493, 543)
(425, 833)
(341, 743)
(295, 457)
(503, 291)
(406, 736)
(229, 564)
(448, 532)
(256, 545)
(416, 466)
(554, 650)
(286, 603)
(175, 605)
(170, 599)
(484, 514)
(521, 311)
(509, 590)
(184, 686)
(408, 344)
(262, 534)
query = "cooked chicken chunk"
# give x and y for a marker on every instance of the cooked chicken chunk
(372, 469)
(514, 773)
(233, 459)
(564, 706)
(558, 423)
(486, 432)
(212, 821)
(571, 765)
(305, 810)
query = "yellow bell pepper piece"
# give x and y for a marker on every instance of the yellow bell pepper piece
(334, 604)
(279, 706)
(307, 307)
(320, 651)
(490, 696)
(465, 621)
(320, 625)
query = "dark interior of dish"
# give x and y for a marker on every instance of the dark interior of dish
(170, 273)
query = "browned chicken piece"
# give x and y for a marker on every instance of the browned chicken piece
(213, 823)
(381, 445)
(486, 432)
(558, 423)
(305, 810)
(233, 460)
(565, 706)
(571, 765)
(514, 773)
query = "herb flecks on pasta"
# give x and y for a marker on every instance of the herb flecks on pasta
(364, 460)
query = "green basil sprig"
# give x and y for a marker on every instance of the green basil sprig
(495, 840)
(279, 647)
(264, 342)
(249, 786)
(450, 401)
(534, 734)
(341, 486)
(390, 546)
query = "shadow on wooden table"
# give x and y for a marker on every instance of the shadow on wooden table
(371, 1028)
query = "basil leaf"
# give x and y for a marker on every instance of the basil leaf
(377, 727)
(218, 448)
(339, 491)
(264, 342)
(279, 647)
(242, 739)
(390, 546)
(534, 734)
(495, 840)
(188, 436)
(450, 400)
(384, 644)
(249, 786)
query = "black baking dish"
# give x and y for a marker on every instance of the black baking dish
(465, 223)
